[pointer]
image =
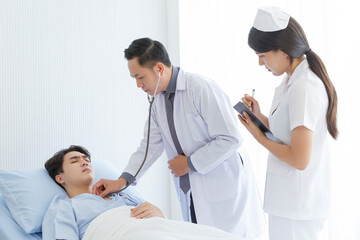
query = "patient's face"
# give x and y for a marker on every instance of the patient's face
(78, 170)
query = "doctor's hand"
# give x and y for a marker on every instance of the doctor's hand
(179, 165)
(105, 186)
(250, 101)
(251, 127)
(146, 210)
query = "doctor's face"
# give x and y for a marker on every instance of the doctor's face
(77, 170)
(146, 78)
(276, 62)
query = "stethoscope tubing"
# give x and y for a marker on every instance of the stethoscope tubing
(151, 101)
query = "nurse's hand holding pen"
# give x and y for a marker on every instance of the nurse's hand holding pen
(251, 103)
(254, 106)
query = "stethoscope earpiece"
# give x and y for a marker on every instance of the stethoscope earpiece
(151, 100)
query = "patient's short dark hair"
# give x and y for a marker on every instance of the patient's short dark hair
(148, 51)
(54, 165)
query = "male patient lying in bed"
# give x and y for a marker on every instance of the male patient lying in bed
(82, 214)
(69, 216)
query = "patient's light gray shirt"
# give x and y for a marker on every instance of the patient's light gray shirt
(69, 218)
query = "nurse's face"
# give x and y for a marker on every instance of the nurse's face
(146, 78)
(77, 170)
(276, 62)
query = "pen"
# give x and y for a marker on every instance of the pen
(253, 95)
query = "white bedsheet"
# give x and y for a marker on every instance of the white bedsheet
(117, 224)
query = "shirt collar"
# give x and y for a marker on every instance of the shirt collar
(172, 84)
(298, 70)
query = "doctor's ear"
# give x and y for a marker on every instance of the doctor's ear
(159, 67)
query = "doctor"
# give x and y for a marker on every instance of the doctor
(302, 115)
(194, 122)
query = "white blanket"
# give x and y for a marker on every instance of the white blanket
(116, 224)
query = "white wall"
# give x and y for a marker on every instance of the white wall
(64, 80)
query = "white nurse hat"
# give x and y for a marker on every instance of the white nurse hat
(271, 19)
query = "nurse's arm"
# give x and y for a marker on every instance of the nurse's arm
(298, 154)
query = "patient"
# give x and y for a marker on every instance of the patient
(69, 216)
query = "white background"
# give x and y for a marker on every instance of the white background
(63, 80)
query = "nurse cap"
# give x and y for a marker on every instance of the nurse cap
(271, 19)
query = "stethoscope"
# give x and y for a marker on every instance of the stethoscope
(151, 101)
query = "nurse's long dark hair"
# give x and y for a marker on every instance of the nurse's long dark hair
(293, 42)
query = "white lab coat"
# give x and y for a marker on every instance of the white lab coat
(224, 191)
(291, 193)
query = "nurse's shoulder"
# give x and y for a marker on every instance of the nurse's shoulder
(310, 86)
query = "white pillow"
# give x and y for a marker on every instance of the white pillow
(29, 191)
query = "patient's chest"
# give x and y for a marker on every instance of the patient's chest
(87, 207)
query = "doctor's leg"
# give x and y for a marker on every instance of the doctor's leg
(289, 229)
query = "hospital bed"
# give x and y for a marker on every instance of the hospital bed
(25, 195)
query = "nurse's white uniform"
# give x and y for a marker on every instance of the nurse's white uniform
(291, 194)
(224, 190)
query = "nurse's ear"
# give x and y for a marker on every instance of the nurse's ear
(283, 54)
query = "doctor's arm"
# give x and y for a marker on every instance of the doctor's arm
(297, 154)
(215, 109)
(156, 147)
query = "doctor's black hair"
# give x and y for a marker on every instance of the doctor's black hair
(54, 165)
(292, 41)
(148, 51)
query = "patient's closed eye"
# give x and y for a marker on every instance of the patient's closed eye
(76, 158)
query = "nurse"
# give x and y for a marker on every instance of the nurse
(302, 115)
(193, 120)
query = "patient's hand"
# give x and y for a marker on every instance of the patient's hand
(146, 210)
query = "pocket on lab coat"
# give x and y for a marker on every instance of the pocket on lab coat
(197, 127)
(222, 183)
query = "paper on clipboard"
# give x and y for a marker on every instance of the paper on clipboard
(240, 108)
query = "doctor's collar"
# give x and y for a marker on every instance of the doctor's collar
(172, 84)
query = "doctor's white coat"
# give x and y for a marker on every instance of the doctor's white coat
(224, 191)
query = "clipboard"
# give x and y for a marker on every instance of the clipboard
(240, 108)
